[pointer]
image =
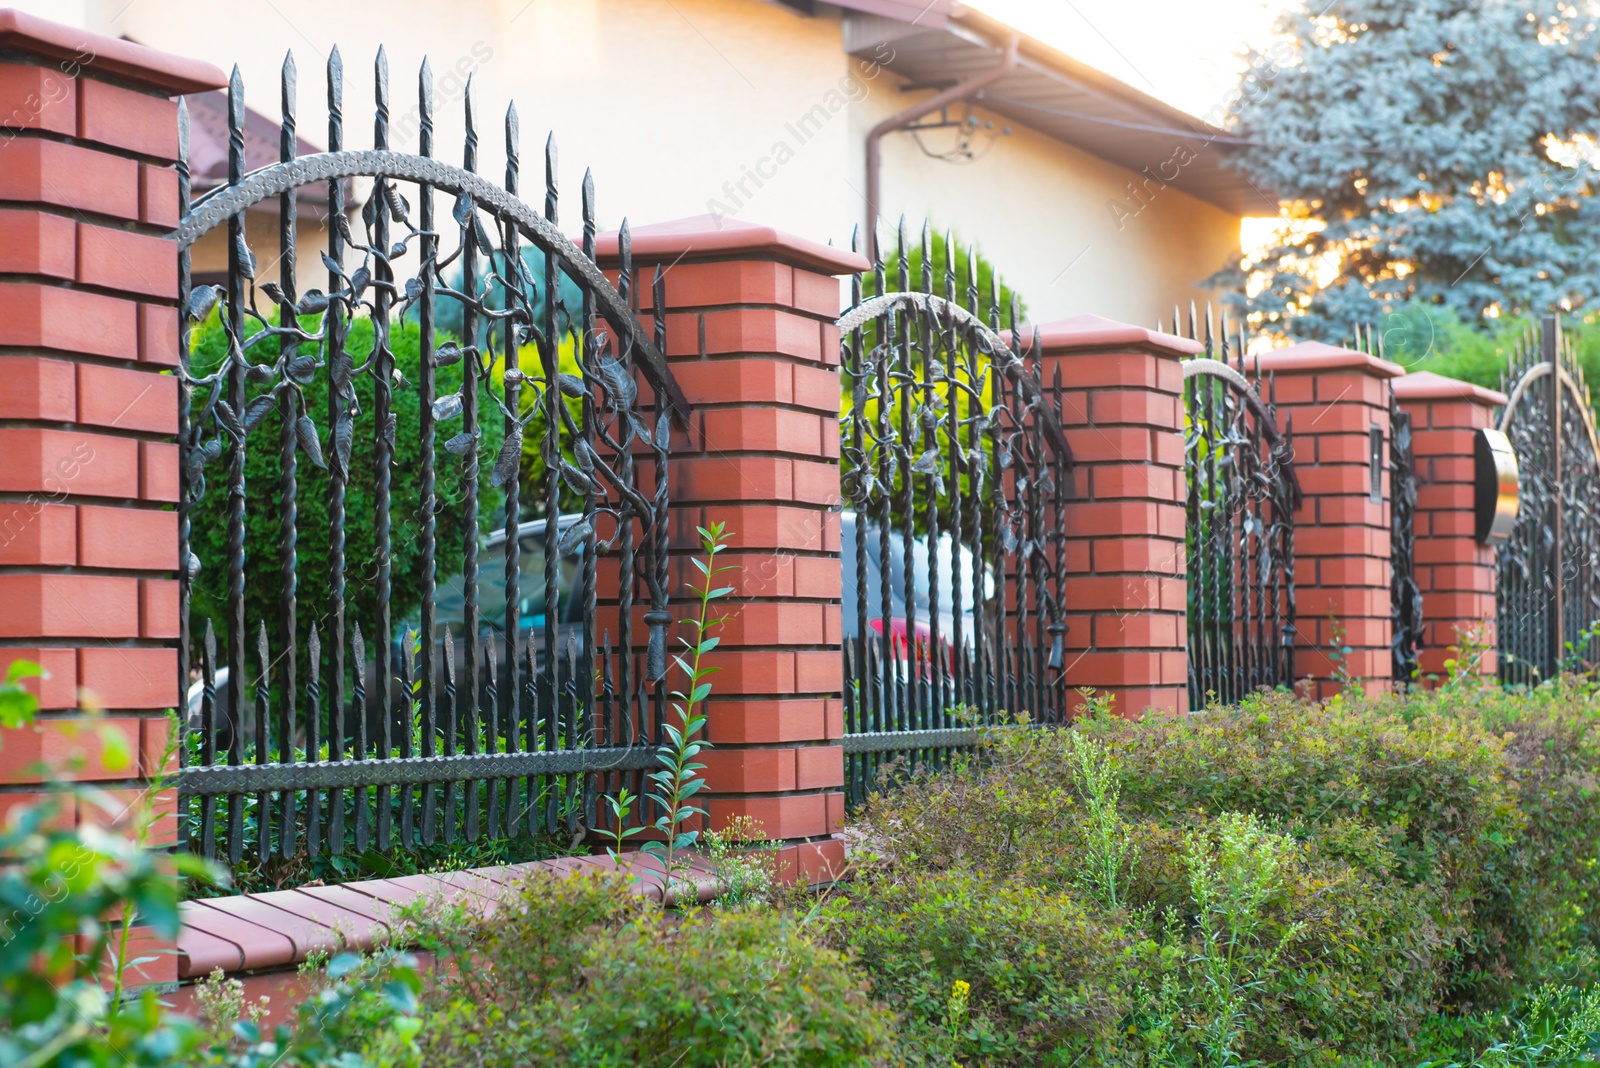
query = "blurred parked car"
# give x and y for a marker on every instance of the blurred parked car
(922, 557)
(450, 614)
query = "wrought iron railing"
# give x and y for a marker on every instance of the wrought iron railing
(1239, 541)
(1405, 595)
(338, 701)
(954, 475)
(1549, 570)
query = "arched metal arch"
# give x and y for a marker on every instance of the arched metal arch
(1241, 385)
(221, 204)
(882, 306)
(1539, 371)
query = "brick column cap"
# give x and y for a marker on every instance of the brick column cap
(712, 237)
(1095, 333)
(23, 32)
(1427, 386)
(1315, 356)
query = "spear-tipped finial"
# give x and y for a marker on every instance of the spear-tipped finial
(183, 134)
(335, 76)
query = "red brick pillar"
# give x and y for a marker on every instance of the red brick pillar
(89, 405)
(1338, 400)
(1126, 591)
(1455, 572)
(750, 338)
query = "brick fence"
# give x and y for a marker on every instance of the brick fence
(89, 483)
(1455, 572)
(1338, 401)
(750, 338)
(89, 325)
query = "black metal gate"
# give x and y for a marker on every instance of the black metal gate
(1549, 570)
(954, 478)
(325, 434)
(1240, 527)
(1405, 596)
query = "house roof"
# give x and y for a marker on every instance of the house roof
(940, 43)
(208, 151)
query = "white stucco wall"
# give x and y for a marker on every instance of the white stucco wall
(695, 104)
(1041, 211)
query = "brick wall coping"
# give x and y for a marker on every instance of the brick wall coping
(29, 33)
(279, 929)
(1094, 332)
(709, 237)
(1316, 356)
(1425, 386)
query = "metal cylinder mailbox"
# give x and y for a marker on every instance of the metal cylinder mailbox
(1495, 492)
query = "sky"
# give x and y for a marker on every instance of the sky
(1180, 51)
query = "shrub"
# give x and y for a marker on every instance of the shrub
(1042, 976)
(1539, 908)
(1392, 823)
(263, 585)
(585, 972)
(1427, 774)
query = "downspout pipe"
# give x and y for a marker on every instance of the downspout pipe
(953, 95)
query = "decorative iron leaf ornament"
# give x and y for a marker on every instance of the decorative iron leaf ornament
(447, 407)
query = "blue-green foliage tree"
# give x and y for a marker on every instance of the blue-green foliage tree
(1448, 147)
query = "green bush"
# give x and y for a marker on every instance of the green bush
(1539, 906)
(1347, 957)
(1042, 975)
(263, 519)
(584, 972)
(1429, 852)
(1430, 779)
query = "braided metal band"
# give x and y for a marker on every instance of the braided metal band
(1241, 386)
(1539, 371)
(408, 771)
(993, 345)
(228, 201)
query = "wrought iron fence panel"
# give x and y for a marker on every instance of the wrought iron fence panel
(1405, 596)
(464, 344)
(1239, 536)
(1548, 581)
(954, 473)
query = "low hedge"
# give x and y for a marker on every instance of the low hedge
(1403, 881)
(1406, 859)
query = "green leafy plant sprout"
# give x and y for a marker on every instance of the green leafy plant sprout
(621, 805)
(1339, 655)
(677, 783)
(1578, 658)
(1109, 849)
(745, 861)
(1231, 884)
